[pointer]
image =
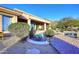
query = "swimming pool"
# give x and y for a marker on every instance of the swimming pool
(64, 47)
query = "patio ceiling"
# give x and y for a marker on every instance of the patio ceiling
(37, 23)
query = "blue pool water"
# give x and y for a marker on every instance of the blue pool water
(64, 47)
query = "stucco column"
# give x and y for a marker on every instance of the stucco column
(13, 19)
(29, 23)
(35, 26)
(44, 26)
(0, 23)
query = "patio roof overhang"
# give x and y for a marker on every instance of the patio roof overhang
(35, 18)
(9, 12)
(28, 16)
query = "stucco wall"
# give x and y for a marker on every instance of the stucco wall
(0, 23)
(13, 19)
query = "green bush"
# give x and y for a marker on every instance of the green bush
(49, 33)
(19, 29)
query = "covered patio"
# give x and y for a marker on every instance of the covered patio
(33, 21)
(14, 16)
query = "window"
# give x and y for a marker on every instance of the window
(5, 23)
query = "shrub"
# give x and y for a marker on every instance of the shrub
(19, 29)
(49, 33)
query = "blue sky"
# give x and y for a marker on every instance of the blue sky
(49, 11)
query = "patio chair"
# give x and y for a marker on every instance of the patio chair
(1, 35)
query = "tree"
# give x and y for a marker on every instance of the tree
(68, 22)
(53, 25)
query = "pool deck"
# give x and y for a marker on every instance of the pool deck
(7, 43)
(59, 44)
(22, 47)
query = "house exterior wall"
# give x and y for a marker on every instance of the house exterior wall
(14, 19)
(0, 23)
